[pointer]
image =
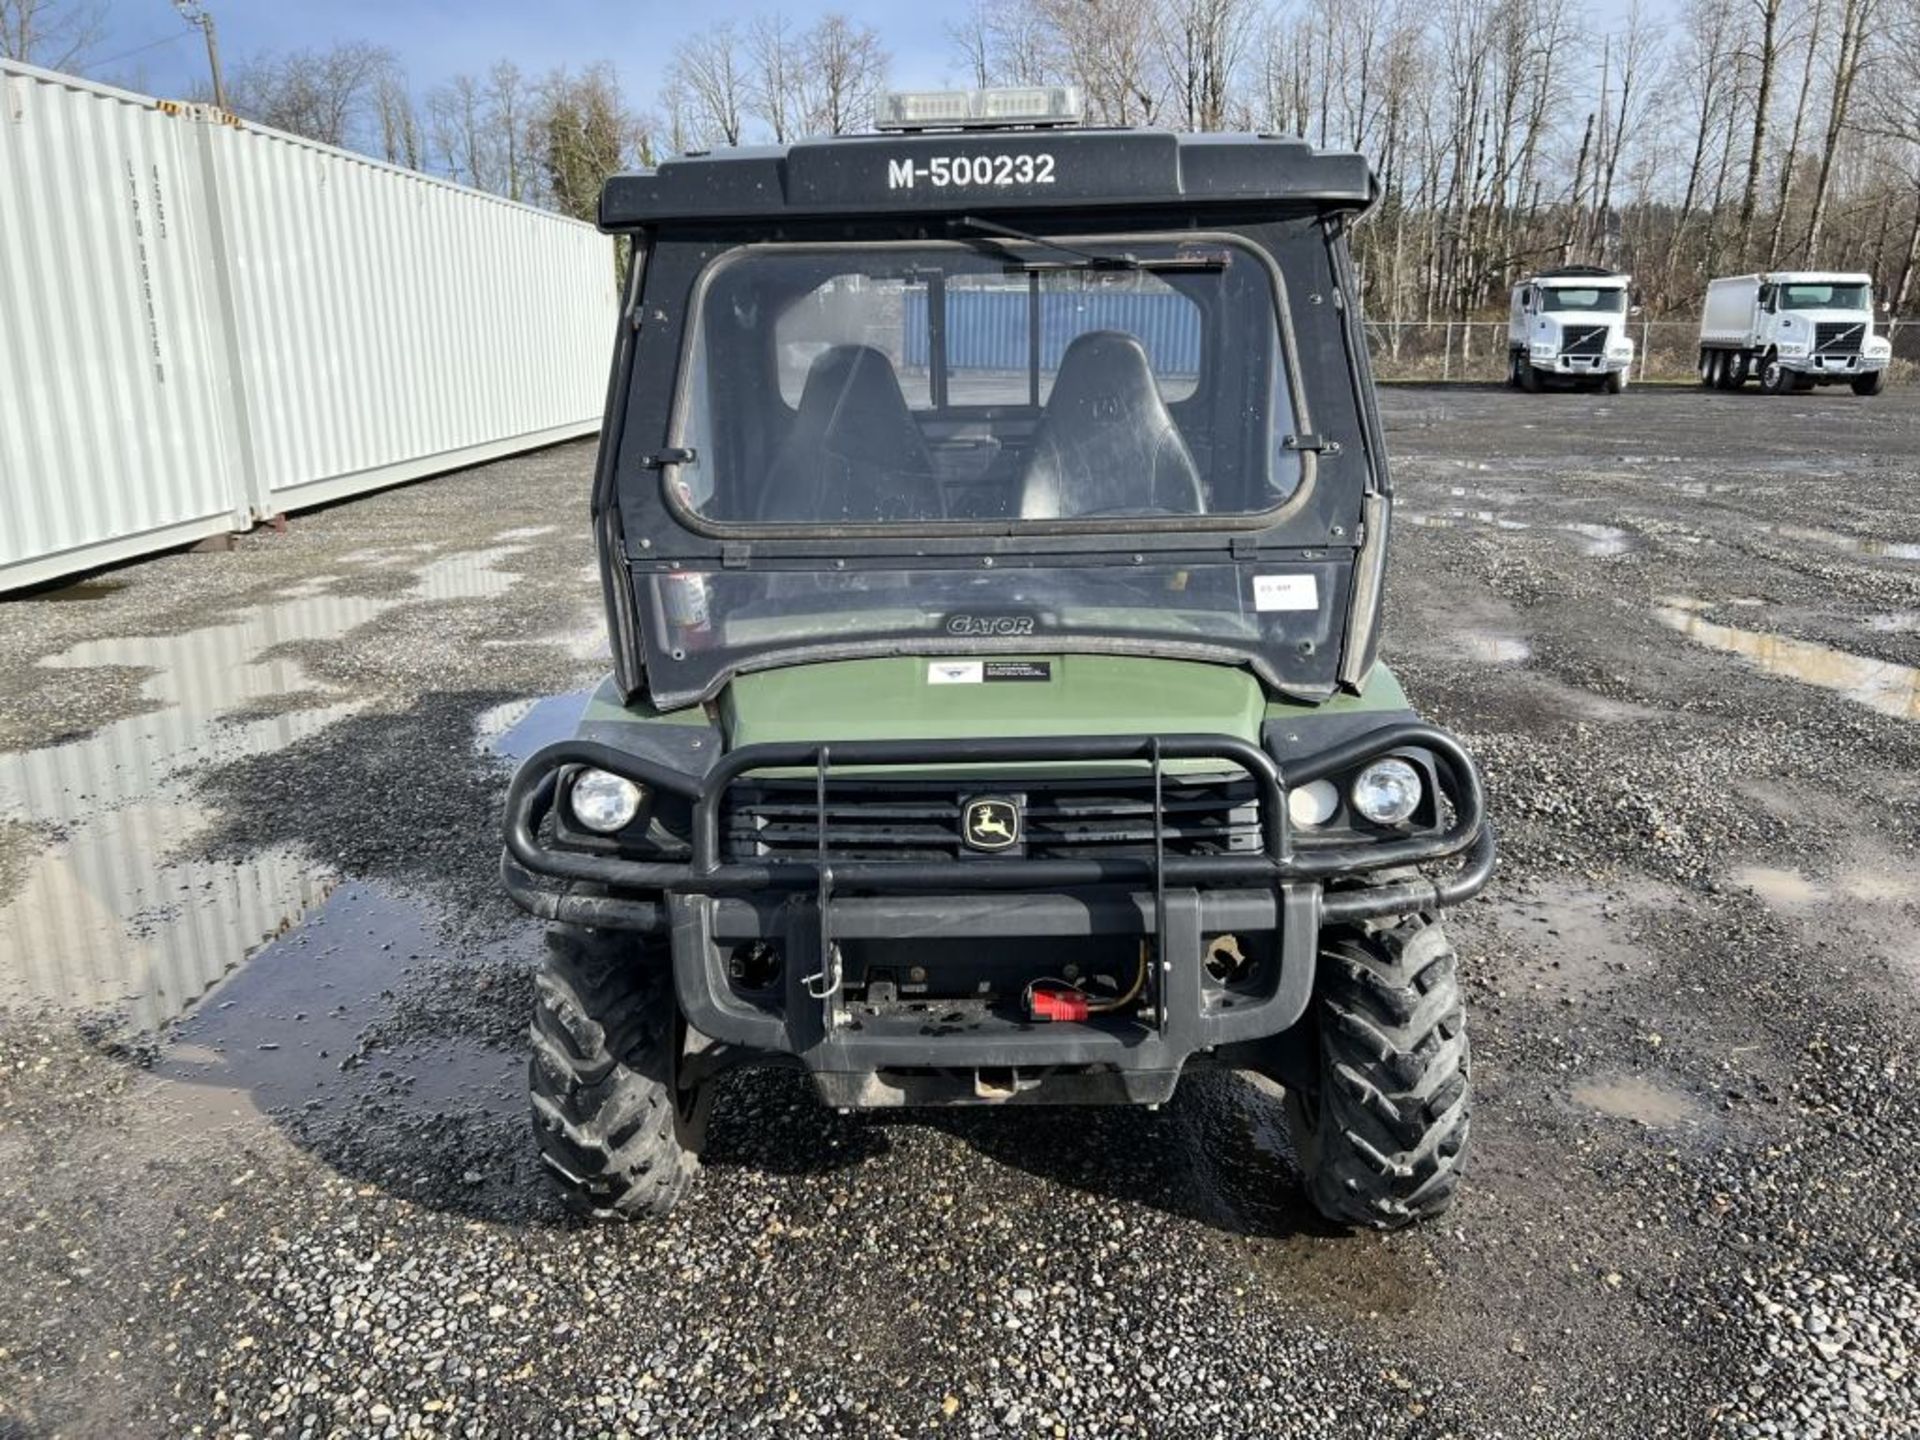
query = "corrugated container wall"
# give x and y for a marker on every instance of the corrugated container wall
(204, 324)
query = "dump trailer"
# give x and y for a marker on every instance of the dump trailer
(992, 519)
(1569, 325)
(1792, 330)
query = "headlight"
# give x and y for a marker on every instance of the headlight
(604, 802)
(1878, 346)
(1792, 347)
(1621, 351)
(1313, 803)
(1387, 791)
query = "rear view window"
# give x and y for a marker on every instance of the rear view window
(1006, 334)
(856, 309)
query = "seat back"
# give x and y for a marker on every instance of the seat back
(853, 454)
(1106, 443)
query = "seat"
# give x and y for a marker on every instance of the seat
(854, 454)
(1106, 444)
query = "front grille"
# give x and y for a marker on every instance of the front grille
(920, 820)
(1839, 337)
(1586, 342)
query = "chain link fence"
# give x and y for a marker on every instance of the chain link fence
(1476, 350)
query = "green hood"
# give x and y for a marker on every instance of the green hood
(896, 698)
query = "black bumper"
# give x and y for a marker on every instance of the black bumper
(708, 905)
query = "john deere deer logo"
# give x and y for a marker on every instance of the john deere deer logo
(990, 824)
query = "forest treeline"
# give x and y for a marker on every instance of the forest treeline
(1707, 137)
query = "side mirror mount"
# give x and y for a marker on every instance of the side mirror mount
(1633, 310)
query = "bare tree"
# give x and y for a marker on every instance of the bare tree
(460, 133)
(1202, 45)
(401, 139)
(716, 83)
(1789, 167)
(326, 95)
(1768, 52)
(56, 34)
(846, 67)
(776, 88)
(1849, 59)
(1110, 50)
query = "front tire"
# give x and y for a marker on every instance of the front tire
(1775, 378)
(1382, 1137)
(1529, 377)
(1615, 382)
(1871, 383)
(613, 1129)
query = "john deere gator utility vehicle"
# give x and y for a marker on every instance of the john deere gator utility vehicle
(993, 517)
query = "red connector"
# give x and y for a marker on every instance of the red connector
(1056, 1004)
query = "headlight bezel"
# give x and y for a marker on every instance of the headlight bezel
(1348, 825)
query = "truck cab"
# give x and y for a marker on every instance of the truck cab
(1570, 325)
(992, 520)
(1791, 331)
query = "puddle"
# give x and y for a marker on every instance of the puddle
(1453, 519)
(1696, 605)
(117, 912)
(1898, 622)
(1787, 889)
(1636, 1098)
(1599, 541)
(1857, 544)
(1491, 648)
(1879, 685)
(84, 590)
(519, 727)
(285, 1033)
(1602, 541)
(1859, 883)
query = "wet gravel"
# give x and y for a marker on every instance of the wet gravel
(307, 1205)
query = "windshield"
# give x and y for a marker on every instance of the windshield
(1590, 299)
(1823, 297)
(996, 382)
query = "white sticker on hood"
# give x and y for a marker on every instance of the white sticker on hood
(1285, 592)
(955, 672)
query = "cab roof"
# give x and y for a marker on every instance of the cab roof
(1044, 169)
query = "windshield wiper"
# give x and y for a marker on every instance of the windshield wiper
(1007, 232)
(1087, 259)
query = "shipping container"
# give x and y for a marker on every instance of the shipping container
(204, 324)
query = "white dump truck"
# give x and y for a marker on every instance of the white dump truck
(1570, 323)
(1792, 330)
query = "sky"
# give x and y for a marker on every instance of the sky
(148, 48)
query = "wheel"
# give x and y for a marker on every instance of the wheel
(1529, 377)
(1871, 383)
(1513, 369)
(1615, 382)
(1775, 378)
(1382, 1137)
(1706, 368)
(1737, 367)
(1717, 369)
(617, 1136)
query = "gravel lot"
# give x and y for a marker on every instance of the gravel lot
(293, 1194)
